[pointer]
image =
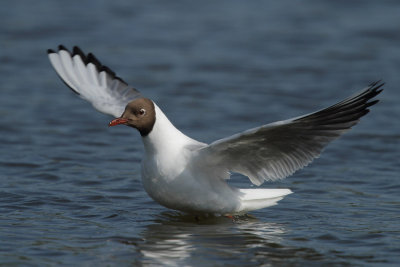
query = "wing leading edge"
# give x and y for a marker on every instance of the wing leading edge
(276, 150)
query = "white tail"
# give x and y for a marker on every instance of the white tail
(253, 199)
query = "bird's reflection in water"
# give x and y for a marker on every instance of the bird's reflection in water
(184, 239)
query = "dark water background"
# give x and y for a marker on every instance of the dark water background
(70, 189)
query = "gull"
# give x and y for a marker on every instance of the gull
(183, 174)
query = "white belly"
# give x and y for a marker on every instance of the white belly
(181, 189)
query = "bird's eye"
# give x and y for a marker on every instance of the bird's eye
(142, 111)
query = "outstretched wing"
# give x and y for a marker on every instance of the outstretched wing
(275, 151)
(92, 81)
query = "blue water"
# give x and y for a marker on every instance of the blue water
(70, 189)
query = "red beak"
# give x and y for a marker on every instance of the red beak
(117, 121)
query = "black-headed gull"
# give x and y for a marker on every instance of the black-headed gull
(184, 174)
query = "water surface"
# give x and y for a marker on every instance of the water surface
(70, 189)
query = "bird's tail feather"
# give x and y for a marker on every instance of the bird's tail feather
(253, 199)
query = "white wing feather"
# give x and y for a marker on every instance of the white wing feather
(92, 81)
(275, 151)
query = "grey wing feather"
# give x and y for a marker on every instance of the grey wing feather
(92, 81)
(275, 151)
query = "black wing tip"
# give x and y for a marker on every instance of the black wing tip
(77, 51)
(376, 87)
(363, 113)
(88, 58)
(92, 59)
(371, 103)
(376, 83)
(62, 47)
(352, 108)
(373, 90)
(108, 70)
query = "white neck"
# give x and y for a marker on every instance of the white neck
(164, 137)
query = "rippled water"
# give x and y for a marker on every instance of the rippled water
(70, 189)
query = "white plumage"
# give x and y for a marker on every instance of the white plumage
(92, 81)
(184, 174)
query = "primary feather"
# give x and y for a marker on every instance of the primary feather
(276, 150)
(92, 81)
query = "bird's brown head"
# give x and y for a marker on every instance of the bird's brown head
(139, 114)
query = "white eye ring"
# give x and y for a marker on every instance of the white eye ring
(142, 111)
